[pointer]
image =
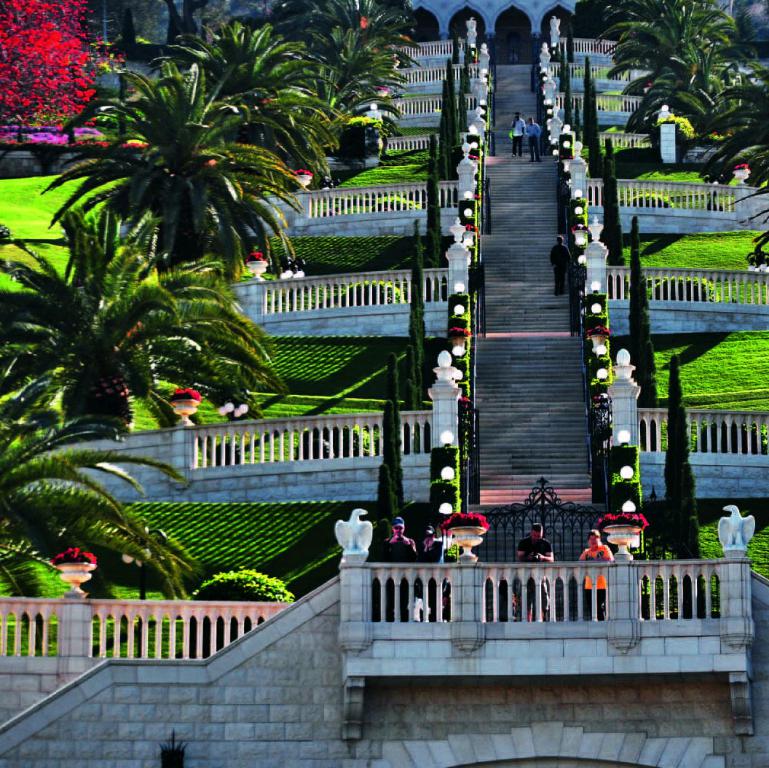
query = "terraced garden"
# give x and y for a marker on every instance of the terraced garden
(398, 167)
(711, 250)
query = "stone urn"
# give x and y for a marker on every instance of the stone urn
(257, 268)
(467, 537)
(597, 337)
(75, 574)
(304, 179)
(741, 174)
(184, 408)
(624, 537)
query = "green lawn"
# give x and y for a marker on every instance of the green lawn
(27, 211)
(711, 250)
(398, 167)
(417, 130)
(658, 172)
(718, 370)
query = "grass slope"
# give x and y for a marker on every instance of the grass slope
(711, 250)
(27, 211)
(397, 167)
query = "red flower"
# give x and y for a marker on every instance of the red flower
(73, 555)
(465, 520)
(624, 518)
(460, 332)
(186, 394)
(255, 256)
(598, 330)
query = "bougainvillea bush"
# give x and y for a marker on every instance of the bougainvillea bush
(45, 70)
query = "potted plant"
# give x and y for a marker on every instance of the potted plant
(580, 235)
(383, 91)
(598, 335)
(624, 529)
(741, 172)
(185, 403)
(467, 529)
(74, 566)
(458, 338)
(304, 177)
(256, 263)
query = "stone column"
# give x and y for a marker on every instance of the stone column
(484, 58)
(578, 171)
(468, 631)
(555, 124)
(624, 398)
(667, 137)
(596, 253)
(458, 258)
(74, 622)
(472, 32)
(445, 395)
(355, 603)
(466, 171)
(624, 621)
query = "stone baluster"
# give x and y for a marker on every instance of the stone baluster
(624, 397)
(445, 394)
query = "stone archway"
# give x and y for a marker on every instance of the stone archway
(513, 37)
(560, 12)
(458, 23)
(427, 27)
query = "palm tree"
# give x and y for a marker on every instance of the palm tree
(272, 81)
(112, 329)
(50, 497)
(178, 161)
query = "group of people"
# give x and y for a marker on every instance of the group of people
(530, 130)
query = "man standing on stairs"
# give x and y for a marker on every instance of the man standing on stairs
(533, 132)
(518, 130)
(560, 258)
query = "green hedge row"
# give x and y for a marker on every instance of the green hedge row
(442, 491)
(623, 490)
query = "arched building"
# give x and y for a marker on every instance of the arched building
(512, 29)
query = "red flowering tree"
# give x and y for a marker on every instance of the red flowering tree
(45, 72)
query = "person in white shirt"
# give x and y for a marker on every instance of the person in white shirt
(517, 132)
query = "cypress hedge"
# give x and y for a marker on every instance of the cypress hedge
(590, 124)
(612, 224)
(391, 428)
(415, 352)
(433, 251)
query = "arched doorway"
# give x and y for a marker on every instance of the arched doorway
(560, 13)
(426, 27)
(458, 23)
(513, 37)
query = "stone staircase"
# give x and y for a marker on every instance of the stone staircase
(529, 380)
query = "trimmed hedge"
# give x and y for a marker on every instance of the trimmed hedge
(244, 585)
(463, 320)
(622, 490)
(445, 490)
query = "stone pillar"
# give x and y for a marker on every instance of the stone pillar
(484, 58)
(555, 124)
(445, 395)
(181, 452)
(74, 621)
(595, 253)
(472, 32)
(578, 171)
(544, 58)
(667, 136)
(624, 621)
(458, 258)
(468, 630)
(555, 33)
(355, 603)
(549, 91)
(624, 398)
(466, 172)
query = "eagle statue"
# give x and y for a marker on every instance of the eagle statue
(354, 535)
(735, 531)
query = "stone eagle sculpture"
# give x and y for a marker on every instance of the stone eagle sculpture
(735, 531)
(354, 535)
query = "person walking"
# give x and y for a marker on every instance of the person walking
(518, 129)
(560, 258)
(533, 133)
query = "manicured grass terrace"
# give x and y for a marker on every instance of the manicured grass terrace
(397, 167)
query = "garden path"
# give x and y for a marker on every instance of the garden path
(529, 385)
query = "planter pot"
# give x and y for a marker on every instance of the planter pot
(468, 537)
(624, 536)
(257, 268)
(458, 345)
(580, 238)
(75, 574)
(742, 174)
(304, 180)
(597, 339)
(184, 409)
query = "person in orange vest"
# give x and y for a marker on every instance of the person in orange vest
(598, 552)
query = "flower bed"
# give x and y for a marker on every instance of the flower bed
(74, 555)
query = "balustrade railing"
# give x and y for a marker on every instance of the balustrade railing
(626, 140)
(633, 193)
(710, 431)
(408, 143)
(605, 102)
(307, 438)
(358, 289)
(418, 75)
(708, 285)
(427, 105)
(134, 629)
(592, 45)
(597, 72)
(382, 198)
(434, 48)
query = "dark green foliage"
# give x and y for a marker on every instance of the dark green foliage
(568, 104)
(612, 224)
(244, 585)
(128, 31)
(415, 353)
(391, 429)
(681, 521)
(641, 348)
(172, 753)
(577, 126)
(433, 249)
(590, 124)
(624, 490)
(569, 41)
(387, 503)
(455, 48)
(445, 490)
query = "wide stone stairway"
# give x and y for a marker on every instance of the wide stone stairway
(529, 381)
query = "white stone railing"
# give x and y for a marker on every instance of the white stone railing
(632, 193)
(710, 431)
(434, 48)
(427, 105)
(357, 289)
(135, 629)
(382, 198)
(597, 72)
(590, 45)
(306, 438)
(605, 102)
(710, 285)
(418, 75)
(626, 140)
(409, 143)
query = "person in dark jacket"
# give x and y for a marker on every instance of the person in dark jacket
(399, 548)
(560, 258)
(429, 548)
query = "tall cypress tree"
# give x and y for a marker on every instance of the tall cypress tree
(465, 75)
(415, 350)
(387, 503)
(391, 430)
(451, 109)
(568, 101)
(569, 41)
(444, 133)
(128, 31)
(433, 255)
(612, 225)
(590, 123)
(682, 523)
(641, 347)
(455, 48)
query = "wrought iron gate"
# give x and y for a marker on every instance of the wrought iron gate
(566, 525)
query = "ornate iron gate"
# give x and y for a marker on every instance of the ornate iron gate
(566, 525)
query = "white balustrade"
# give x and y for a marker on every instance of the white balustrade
(411, 593)
(677, 590)
(420, 75)
(356, 289)
(605, 102)
(427, 105)
(305, 438)
(633, 193)
(382, 198)
(434, 48)
(710, 285)
(135, 629)
(408, 143)
(710, 431)
(597, 72)
(590, 45)
(625, 140)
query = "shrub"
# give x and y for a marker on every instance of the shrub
(685, 128)
(5, 233)
(244, 585)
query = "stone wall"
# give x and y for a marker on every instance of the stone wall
(275, 698)
(358, 225)
(678, 220)
(693, 317)
(18, 163)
